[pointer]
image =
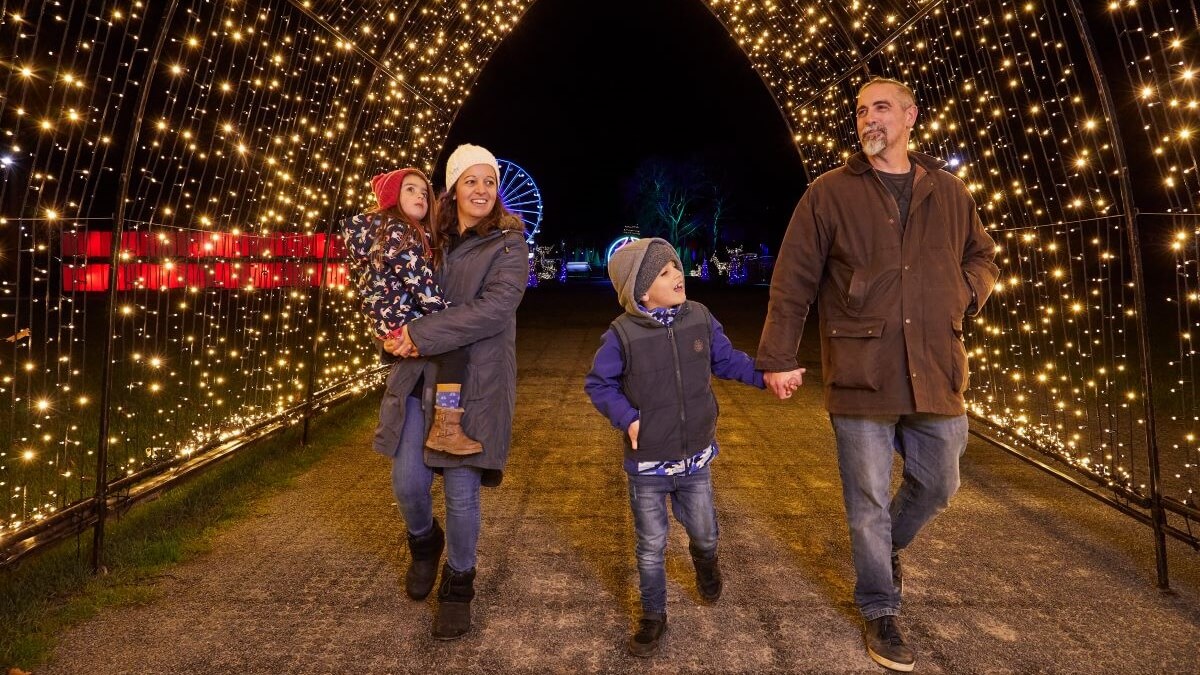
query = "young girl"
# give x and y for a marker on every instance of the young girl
(397, 248)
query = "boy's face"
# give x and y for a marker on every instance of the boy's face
(666, 290)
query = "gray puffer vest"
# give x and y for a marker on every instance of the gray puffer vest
(668, 378)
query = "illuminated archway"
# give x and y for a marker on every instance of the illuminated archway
(251, 125)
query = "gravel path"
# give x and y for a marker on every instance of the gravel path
(1020, 575)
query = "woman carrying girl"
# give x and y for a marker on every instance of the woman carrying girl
(396, 250)
(483, 276)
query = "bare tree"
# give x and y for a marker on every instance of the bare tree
(676, 200)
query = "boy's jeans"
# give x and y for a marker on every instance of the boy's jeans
(930, 446)
(692, 503)
(412, 480)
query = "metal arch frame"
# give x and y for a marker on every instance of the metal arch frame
(1157, 514)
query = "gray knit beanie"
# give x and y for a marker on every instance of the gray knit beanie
(658, 254)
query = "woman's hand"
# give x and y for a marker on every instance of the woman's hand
(633, 432)
(402, 346)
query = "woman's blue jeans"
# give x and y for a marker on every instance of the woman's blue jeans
(412, 481)
(930, 446)
(692, 503)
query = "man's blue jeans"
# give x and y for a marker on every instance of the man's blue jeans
(930, 446)
(412, 480)
(692, 504)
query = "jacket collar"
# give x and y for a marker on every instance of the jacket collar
(858, 163)
(644, 319)
(477, 240)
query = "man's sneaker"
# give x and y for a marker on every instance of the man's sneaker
(897, 573)
(886, 644)
(649, 634)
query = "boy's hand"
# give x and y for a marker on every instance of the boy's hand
(633, 432)
(784, 384)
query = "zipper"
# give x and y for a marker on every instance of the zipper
(679, 389)
(886, 191)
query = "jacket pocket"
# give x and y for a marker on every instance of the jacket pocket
(960, 374)
(856, 291)
(854, 352)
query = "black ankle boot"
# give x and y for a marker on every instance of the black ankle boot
(708, 575)
(646, 640)
(453, 618)
(422, 571)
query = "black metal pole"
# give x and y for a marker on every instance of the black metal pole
(100, 499)
(1157, 514)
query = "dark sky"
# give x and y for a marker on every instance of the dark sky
(582, 92)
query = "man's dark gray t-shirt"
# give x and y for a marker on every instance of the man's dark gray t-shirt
(900, 185)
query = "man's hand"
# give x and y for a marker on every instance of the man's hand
(633, 432)
(783, 384)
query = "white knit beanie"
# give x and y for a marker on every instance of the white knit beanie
(466, 156)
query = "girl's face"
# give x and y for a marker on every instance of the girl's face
(414, 197)
(475, 195)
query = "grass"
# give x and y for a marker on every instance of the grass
(44, 595)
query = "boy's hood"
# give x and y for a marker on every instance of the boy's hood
(623, 269)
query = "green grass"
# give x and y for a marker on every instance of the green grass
(53, 590)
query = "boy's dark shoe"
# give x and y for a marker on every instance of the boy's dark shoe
(453, 618)
(897, 573)
(708, 576)
(447, 435)
(649, 634)
(887, 646)
(422, 571)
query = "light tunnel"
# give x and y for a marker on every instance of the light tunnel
(175, 167)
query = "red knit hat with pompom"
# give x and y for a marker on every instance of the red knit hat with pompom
(386, 186)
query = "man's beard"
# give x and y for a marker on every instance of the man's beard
(874, 141)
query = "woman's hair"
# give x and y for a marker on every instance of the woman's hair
(425, 228)
(500, 218)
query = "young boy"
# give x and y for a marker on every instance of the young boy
(652, 379)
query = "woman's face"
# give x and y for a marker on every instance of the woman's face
(414, 197)
(475, 194)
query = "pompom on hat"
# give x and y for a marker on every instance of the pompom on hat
(466, 156)
(386, 186)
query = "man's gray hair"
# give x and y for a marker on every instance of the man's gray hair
(906, 92)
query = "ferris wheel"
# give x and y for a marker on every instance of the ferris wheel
(521, 195)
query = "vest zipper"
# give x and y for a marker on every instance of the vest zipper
(679, 388)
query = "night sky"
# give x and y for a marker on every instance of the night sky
(582, 92)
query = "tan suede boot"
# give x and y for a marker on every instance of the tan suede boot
(447, 434)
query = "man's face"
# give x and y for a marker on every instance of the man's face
(884, 118)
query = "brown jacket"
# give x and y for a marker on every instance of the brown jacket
(891, 306)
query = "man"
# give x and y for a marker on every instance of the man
(891, 248)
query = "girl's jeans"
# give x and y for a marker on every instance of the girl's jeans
(412, 480)
(692, 503)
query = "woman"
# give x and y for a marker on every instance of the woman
(483, 274)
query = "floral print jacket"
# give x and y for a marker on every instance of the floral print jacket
(394, 277)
